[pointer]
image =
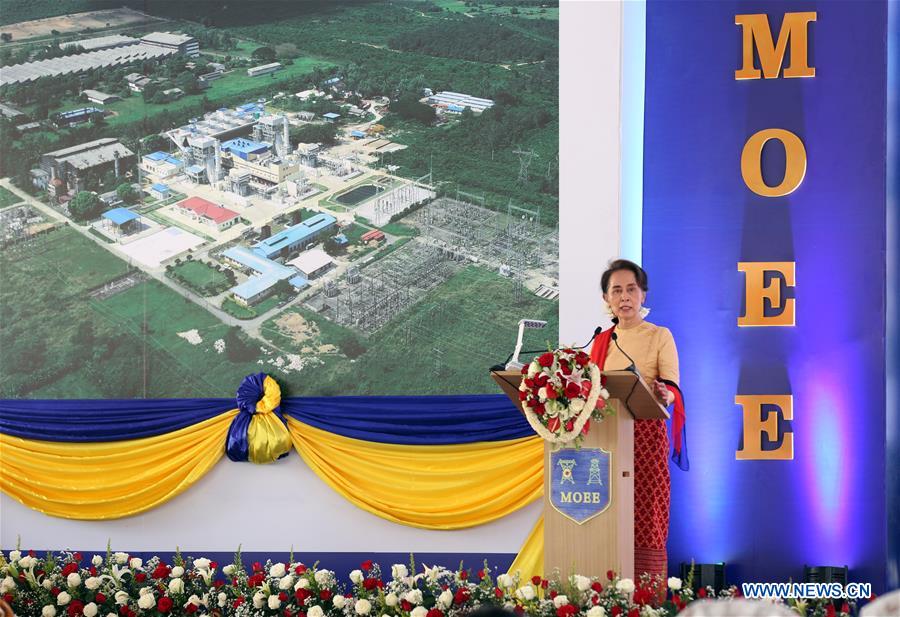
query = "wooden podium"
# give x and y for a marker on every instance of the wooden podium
(606, 540)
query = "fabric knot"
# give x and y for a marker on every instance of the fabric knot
(258, 432)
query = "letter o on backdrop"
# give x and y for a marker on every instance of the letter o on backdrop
(795, 163)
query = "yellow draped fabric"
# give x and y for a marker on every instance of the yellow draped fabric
(92, 481)
(267, 438)
(530, 560)
(433, 487)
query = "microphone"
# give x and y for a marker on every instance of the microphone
(502, 367)
(633, 368)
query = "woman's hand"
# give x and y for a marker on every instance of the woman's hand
(662, 393)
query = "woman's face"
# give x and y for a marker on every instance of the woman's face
(624, 296)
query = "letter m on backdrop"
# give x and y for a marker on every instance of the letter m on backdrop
(758, 37)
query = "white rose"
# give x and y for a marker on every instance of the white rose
(505, 581)
(6, 584)
(194, 599)
(560, 600)
(542, 394)
(27, 562)
(145, 591)
(176, 585)
(286, 583)
(525, 593)
(576, 405)
(625, 585)
(258, 599)
(356, 577)
(323, 577)
(301, 584)
(121, 558)
(277, 570)
(63, 598)
(177, 572)
(398, 571)
(339, 601)
(203, 564)
(223, 599)
(90, 610)
(96, 560)
(315, 611)
(533, 369)
(362, 607)
(15, 556)
(413, 596)
(92, 583)
(674, 583)
(597, 611)
(274, 602)
(390, 599)
(48, 611)
(446, 599)
(47, 584)
(583, 583)
(419, 611)
(135, 563)
(604, 393)
(122, 598)
(73, 580)
(227, 570)
(146, 601)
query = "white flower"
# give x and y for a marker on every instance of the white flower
(356, 577)
(47, 584)
(390, 599)
(583, 583)
(419, 611)
(194, 599)
(121, 558)
(542, 394)
(27, 562)
(362, 607)
(7, 584)
(674, 583)
(525, 593)
(90, 610)
(203, 564)
(446, 599)
(177, 572)
(339, 601)
(597, 611)
(176, 585)
(413, 596)
(323, 577)
(73, 580)
(15, 556)
(604, 393)
(277, 570)
(146, 601)
(63, 598)
(286, 583)
(258, 599)
(48, 611)
(315, 611)
(576, 405)
(92, 583)
(560, 600)
(274, 602)
(135, 563)
(96, 560)
(398, 571)
(301, 584)
(227, 570)
(122, 598)
(625, 585)
(533, 368)
(223, 599)
(111, 615)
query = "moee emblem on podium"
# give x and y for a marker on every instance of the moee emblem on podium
(580, 482)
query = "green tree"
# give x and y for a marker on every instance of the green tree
(85, 206)
(264, 54)
(332, 247)
(409, 108)
(187, 81)
(283, 289)
(128, 193)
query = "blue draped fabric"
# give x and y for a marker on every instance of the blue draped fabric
(411, 420)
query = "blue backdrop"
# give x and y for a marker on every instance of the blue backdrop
(767, 519)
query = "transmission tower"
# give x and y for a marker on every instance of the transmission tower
(525, 157)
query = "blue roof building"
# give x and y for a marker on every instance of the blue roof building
(159, 187)
(357, 133)
(120, 216)
(331, 116)
(341, 239)
(266, 273)
(159, 157)
(296, 236)
(244, 148)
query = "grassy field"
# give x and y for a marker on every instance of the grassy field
(8, 198)
(489, 8)
(201, 277)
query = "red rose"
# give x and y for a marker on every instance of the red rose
(191, 608)
(529, 382)
(523, 395)
(616, 611)
(283, 596)
(461, 596)
(301, 595)
(69, 568)
(300, 569)
(31, 553)
(161, 571)
(370, 583)
(829, 610)
(572, 390)
(634, 612)
(99, 598)
(553, 594)
(435, 613)
(237, 602)
(74, 608)
(566, 368)
(77, 556)
(498, 592)
(701, 593)
(406, 606)
(367, 565)
(582, 358)
(140, 577)
(463, 575)
(545, 359)
(213, 565)
(54, 591)
(287, 612)
(218, 584)
(535, 580)
(257, 567)
(164, 604)
(8, 598)
(325, 594)
(596, 586)
(123, 611)
(553, 425)
(610, 574)
(519, 610)
(544, 583)
(641, 596)
(525, 370)
(552, 393)
(845, 608)
(602, 380)
(595, 600)
(570, 424)
(586, 427)
(93, 571)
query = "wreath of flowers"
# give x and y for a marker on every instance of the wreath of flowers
(561, 392)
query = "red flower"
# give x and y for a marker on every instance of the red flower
(582, 358)
(75, 607)
(213, 565)
(283, 596)
(435, 613)
(544, 583)
(519, 610)
(237, 602)
(523, 395)
(31, 553)
(586, 428)
(301, 595)
(93, 571)
(539, 409)
(570, 424)
(641, 596)
(140, 577)
(218, 584)
(325, 594)
(701, 593)
(845, 608)
(100, 598)
(616, 611)
(596, 586)
(529, 382)
(566, 368)
(595, 600)
(77, 556)
(463, 575)
(191, 608)
(572, 390)
(480, 574)
(257, 567)
(553, 594)
(535, 580)
(54, 591)
(406, 606)
(300, 569)
(586, 387)
(545, 359)
(366, 565)
(461, 596)
(525, 370)
(541, 380)
(69, 568)
(829, 610)
(635, 612)
(287, 612)
(8, 598)
(123, 611)
(610, 574)
(164, 604)
(371, 583)
(553, 425)
(161, 571)
(552, 393)
(498, 592)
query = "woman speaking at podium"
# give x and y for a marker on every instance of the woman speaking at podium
(635, 343)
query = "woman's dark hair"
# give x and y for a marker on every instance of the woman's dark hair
(623, 264)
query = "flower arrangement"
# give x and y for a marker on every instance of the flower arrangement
(119, 585)
(561, 392)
